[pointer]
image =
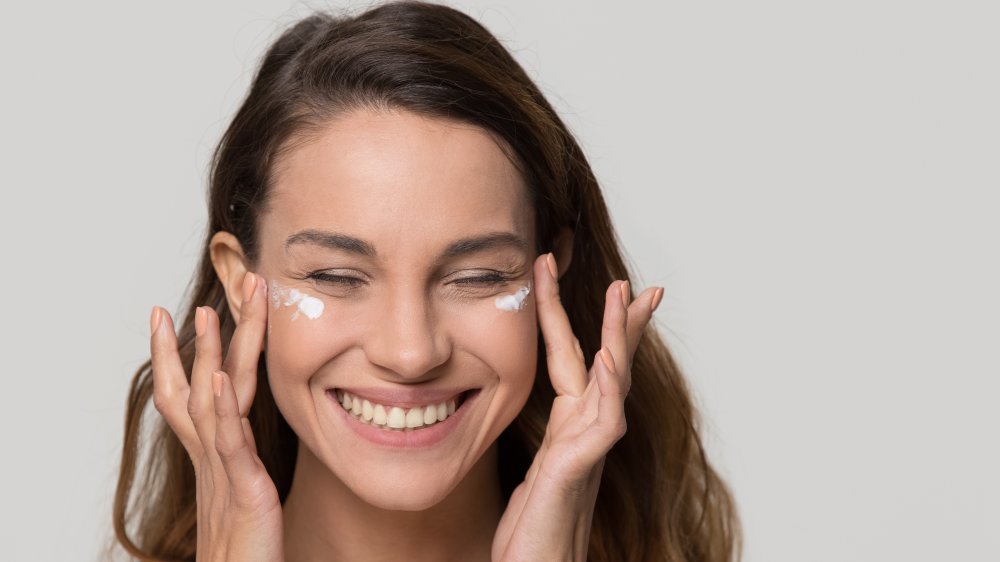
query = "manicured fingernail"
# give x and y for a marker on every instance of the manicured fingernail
(200, 319)
(550, 261)
(249, 284)
(154, 320)
(217, 383)
(625, 293)
(657, 296)
(607, 359)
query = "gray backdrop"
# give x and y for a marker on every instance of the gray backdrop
(814, 183)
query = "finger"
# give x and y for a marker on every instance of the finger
(639, 313)
(170, 386)
(611, 405)
(248, 434)
(242, 468)
(244, 349)
(208, 351)
(613, 335)
(587, 403)
(562, 349)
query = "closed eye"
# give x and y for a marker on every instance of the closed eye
(488, 280)
(344, 280)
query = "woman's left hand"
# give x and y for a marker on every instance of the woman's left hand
(549, 515)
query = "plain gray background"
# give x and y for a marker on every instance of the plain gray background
(814, 183)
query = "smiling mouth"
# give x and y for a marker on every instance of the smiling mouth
(396, 418)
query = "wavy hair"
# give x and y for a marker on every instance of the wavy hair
(659, 498)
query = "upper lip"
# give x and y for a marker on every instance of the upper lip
(410, 397)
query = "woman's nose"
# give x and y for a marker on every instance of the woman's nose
(406, 337)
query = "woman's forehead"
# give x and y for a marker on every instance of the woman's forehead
(390, 175)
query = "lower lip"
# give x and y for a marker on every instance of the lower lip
(407, 438)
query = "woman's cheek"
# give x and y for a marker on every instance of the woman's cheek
(305, 331)
(503, 333)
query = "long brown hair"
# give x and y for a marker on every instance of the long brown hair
(659, 497)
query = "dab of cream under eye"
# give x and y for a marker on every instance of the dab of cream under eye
(515, 302)
(311, 306)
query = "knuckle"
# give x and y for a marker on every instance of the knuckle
(620, 428)
(559, 347)
(550, 301)
(255, 494)
(551, 347)
(251, 314)
(195, 410)
(228, 450)
(160, 402)
(556, 297)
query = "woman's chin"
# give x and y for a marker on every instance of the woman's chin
(403, 492)
(415, 482)
(403, 496)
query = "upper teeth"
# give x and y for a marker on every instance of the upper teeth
(395, 417)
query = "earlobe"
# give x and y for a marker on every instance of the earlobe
(562, 249)
(230, 266)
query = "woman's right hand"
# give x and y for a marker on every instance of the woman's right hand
(239, 512)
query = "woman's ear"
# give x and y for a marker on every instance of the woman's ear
(229, 262)
(562, 249)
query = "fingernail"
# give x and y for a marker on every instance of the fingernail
(154, 320)
(249, 284)
(657, 296)
(550, 260)
(625, 293)
(200, 318)
(217, 383)
(607, 359)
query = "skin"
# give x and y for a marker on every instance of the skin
(407, 316)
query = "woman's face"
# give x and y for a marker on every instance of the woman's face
(398, 253)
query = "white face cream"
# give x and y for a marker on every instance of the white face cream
(311, 306)
(515, 302)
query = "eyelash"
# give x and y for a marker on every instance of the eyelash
(338, 279)
(491, 279)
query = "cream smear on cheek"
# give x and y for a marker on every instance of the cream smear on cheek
(515, 302)
(311, 306)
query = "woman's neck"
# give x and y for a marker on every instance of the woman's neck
(324, 520)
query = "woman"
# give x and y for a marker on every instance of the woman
(411, 332)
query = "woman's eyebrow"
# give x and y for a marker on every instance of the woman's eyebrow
(332, 241)
(489, 241)
(350, 244)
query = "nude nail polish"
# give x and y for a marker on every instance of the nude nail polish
(217, 383)
(154, 320)
(200, 319)
(607, 359)
(657, 297)
(249, 284)
(625, 293)
(550, 261)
